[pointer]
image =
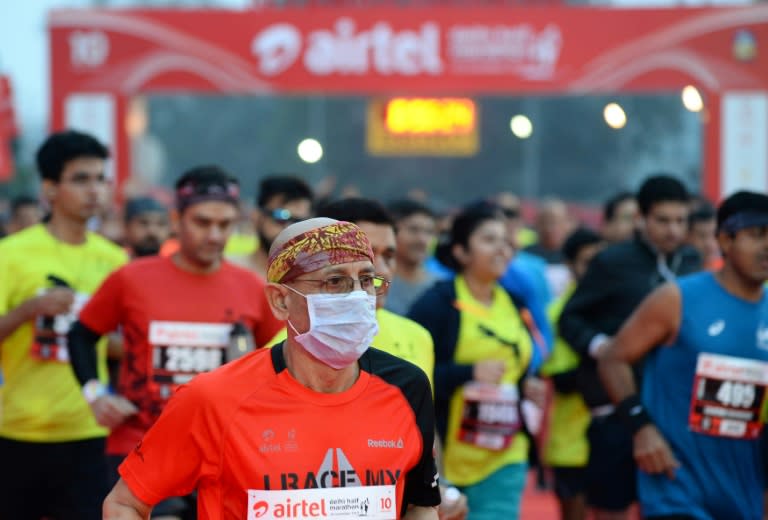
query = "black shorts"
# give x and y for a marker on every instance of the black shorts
(764, 447)
(57, 480)
(569, 481)
(183, 507)
(611, 471)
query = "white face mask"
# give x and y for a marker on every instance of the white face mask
(341, 326)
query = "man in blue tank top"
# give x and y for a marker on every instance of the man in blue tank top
(697, 424)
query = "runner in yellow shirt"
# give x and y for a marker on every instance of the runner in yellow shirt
(52, 450)
(566, 449)
(483, 350)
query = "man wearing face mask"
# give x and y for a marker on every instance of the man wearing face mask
(397, 335)
(180, 316)
(247, 436)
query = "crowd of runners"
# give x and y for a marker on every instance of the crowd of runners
(322, 357)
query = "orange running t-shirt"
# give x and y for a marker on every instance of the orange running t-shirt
(175, 324)
(255, 443)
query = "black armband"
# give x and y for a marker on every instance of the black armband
(633, 414)
(81, 342)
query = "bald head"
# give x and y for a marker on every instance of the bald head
(553, 223)
(297, 229)
(552, 208)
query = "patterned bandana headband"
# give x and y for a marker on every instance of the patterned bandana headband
(336, 243)
(193, 193)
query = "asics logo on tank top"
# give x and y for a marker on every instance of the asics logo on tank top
(716, 327)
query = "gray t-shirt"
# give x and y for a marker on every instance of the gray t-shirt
(402, 294)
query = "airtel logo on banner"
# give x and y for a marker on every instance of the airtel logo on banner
(344, 50)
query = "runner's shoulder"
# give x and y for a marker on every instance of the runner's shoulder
(106, 248)
(396, 371)
(236, 378)
(242, 273)
(144, 265)
(21, 241)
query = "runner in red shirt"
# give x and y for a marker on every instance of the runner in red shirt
(180, 316)
(321, 426)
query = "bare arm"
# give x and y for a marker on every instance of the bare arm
(421, 513)
(115, 346)
(122, 504)
(655, 322)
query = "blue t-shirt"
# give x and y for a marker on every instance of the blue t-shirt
(534, 269)
(709, 380)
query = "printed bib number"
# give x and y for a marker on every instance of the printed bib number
(179, 359)
(339, 503)
(50, 334)
(182, 350)
(491, 417)
(727, 397)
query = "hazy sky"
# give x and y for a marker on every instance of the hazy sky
(24, 55)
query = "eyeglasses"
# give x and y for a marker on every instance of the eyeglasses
(282, 216)
(345, 284)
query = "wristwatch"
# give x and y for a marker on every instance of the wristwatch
(94, 389)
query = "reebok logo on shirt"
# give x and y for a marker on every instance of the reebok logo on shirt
(382, 443)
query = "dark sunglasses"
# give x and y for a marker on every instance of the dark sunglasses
(510, 213)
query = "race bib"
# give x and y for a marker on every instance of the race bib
(490, 417)
(50, 334)
(339, 503)
(727, 397)
(182, 350)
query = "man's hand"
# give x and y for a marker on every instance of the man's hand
(57, 300)
(489, 371)
(122, 504)
(652, 452)
(111, 410)
(420, 513)
(453, 504)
